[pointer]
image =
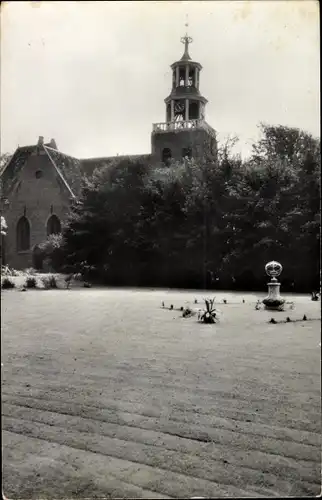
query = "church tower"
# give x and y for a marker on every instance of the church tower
(185, 133)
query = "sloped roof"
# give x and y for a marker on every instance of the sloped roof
(14, 165)
(68, 168)
(88, 165)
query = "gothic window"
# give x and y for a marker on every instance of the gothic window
(166, 155)
(23, 234)
(53, 225)
(187, 153)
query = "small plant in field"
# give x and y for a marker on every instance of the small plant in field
(49, 282)
(30, 282)
(7, 283)
(187, 312)
(209, 315)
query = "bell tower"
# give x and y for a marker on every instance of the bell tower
(185, 133)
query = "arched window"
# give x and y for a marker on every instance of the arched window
(53, 225)
(187, 153)
(166, 155)
(23, 234)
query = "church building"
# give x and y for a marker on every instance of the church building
(39, 183)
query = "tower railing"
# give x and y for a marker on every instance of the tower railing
(183, 125)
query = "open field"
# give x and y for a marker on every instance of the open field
(106, 394)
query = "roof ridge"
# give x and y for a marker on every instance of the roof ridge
(115, 156)
(60, 152)
(13, 157)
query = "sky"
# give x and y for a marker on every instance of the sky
(94, 75)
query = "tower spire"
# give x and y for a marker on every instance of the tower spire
(186, 40)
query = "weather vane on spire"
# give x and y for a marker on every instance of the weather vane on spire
(186, 40)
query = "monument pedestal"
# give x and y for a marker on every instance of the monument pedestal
(273, 300)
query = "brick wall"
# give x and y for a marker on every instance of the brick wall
(36, 197)
(198, 140)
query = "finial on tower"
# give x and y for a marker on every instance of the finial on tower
(186, 40)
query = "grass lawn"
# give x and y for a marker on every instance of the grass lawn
(106, 394)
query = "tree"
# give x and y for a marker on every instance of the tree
(277, 214)
(101, 228)
(195, 222)
(4, 159)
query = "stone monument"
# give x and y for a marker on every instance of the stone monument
(273, 300)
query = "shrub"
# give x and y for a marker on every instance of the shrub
(7, 283)
(49, 282)
(7, 271)
(4, 226)
(47, 265)
(52, 251)
(31, 271)
(30, 282)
